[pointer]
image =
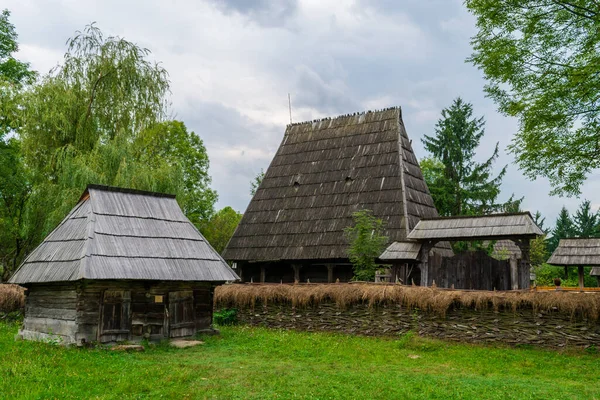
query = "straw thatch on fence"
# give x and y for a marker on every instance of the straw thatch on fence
(436, 300)
(12, 298)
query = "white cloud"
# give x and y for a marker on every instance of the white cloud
(233, 62)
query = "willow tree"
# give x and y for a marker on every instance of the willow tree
(100, 117)
(540, 58)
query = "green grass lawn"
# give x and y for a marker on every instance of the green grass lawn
(257, 363)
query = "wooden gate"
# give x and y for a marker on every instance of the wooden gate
(469, 270)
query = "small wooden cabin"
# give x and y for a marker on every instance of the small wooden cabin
(123, 265)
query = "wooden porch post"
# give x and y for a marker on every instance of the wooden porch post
(525, 247)
(581, 277)
(262, 273)
(296, 272)
(514, 273)
(329, 273)
(425, 249)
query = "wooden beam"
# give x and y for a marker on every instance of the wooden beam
(329, 273)
(296, 268)
(263, 273)
(514, 273)
(581, 277)
(424, 265)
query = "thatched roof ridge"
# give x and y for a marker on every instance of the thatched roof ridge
(115, 233)
(577, 251)
(323, 171)
(355, 114)
(493, 226)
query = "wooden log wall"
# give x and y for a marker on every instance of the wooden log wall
(148, 317)
(51, 313)
(72, 313)
(547, 329)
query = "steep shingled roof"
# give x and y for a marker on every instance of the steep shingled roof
(577, 251)
(323, 172)
(115, 233)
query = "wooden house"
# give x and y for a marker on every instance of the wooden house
(578, 252)
(323, 172)
(123, 265)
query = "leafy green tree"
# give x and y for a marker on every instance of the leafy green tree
(256, 182)
(220, 228)
(366, 244)
(12, 70)
(538, 247)
(169, 144)
(541, 59)
(15, 189)
(563, 228)
(100, 118)
(585, 222)
(440, 187)
(15, 184)
(468, 186)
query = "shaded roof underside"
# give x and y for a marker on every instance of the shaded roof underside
(324, 171)
(576, 252)
(124, 235)
(498, 226)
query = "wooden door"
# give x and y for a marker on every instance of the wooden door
(115, 322)
(181, 314)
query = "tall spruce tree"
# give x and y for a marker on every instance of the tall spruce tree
(585, 222)
(563, 229)
(469, 187)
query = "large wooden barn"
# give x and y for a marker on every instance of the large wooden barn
(323, 171)
(123, 265)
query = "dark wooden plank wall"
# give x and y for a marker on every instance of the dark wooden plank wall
(471, 270)
(147, 317)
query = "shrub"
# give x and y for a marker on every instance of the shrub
(225, 316)
(12, 298)
(366, 244)
(545, 275)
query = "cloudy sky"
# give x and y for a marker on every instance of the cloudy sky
(232, 64)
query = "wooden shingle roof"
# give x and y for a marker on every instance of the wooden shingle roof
(577, 251)
(115, 233)
(324, 171)
(401, 251)
(494, 226)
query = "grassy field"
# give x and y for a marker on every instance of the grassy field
(267, 364)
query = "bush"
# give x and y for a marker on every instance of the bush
(545, 274)
(225, 316)
(12, 298)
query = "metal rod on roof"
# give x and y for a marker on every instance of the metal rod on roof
(290, 106)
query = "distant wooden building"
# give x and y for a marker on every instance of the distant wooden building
(123, 265)
(578, 252)
(325, 170)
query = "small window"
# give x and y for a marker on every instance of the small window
(158, 299)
